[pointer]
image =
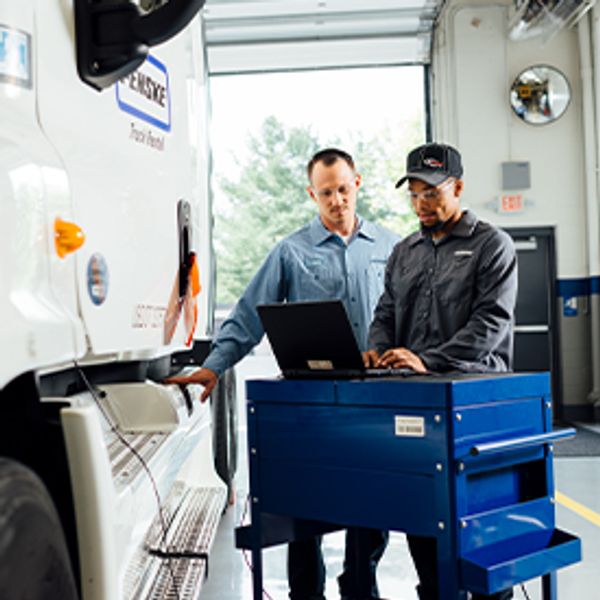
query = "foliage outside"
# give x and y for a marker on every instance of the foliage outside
(268, 200)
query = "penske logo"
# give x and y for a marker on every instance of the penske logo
(433, 163)
(145, 94)
(148, 87)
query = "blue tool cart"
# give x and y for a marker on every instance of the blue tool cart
(464, 459)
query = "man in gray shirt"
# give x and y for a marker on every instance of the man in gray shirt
(449, 296)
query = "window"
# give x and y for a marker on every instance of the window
(264, 129)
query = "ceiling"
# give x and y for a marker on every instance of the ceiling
(267, 35)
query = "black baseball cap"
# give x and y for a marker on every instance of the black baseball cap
(433, 164)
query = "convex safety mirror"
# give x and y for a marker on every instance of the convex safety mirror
(540, 94)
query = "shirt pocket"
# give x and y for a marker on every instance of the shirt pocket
(319, 282)
(457, 286)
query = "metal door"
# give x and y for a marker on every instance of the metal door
(536, 325)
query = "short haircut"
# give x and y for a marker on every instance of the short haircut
(329, 156)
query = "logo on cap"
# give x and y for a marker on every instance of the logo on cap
(433, 163)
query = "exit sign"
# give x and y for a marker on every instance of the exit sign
(511, 203)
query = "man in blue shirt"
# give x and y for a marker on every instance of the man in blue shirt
(337, 255)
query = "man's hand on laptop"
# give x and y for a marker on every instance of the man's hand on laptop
(370, 358)
(399, 358)
(204, 377)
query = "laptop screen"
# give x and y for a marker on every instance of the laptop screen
(311, 336)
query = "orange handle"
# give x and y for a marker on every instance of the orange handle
(195, 277)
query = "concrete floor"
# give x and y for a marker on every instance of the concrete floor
(230, 577)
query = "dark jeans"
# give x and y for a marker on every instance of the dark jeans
(306, 568)
(423, 551)
(364, 549)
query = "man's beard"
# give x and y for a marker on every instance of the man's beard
(429, 229)
(446, 225)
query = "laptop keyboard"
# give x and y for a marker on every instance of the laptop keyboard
(348, 373)
(404, 372)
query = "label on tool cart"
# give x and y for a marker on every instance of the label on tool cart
(321, 365)
(410, 426)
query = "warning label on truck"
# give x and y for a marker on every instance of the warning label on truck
(15, 57)
(410, 426)
(145, 94)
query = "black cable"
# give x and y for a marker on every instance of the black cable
(525, 592)
(123, 440)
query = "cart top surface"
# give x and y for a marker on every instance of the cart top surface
(435, 391)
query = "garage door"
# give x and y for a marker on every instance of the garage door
(272, 35)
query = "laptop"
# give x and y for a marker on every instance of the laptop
(314, 340)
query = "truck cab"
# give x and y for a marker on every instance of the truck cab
(108, 273)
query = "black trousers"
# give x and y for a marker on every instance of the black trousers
(306, 567)
(306, 570)
(424, 553)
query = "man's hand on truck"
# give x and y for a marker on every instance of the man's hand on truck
(204, 377)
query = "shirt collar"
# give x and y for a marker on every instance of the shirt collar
(365, 229)
(464, 228)
(319, 233)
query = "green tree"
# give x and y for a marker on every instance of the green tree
(268, 199)
(381, 160)
(265, 203)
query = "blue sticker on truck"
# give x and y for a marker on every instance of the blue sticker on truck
(145, 94)
(15, 57)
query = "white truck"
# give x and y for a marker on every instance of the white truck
(107, 482)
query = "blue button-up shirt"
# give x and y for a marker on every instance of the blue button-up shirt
(311, 264)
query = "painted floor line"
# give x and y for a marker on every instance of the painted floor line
(583, 511)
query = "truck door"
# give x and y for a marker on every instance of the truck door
(38, 299)
(131, 153)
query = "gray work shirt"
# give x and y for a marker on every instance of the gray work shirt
(451, 301)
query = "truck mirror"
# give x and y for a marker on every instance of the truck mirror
(113, 38)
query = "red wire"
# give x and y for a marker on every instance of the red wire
(247, 559)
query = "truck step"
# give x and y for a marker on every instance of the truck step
(170, 579)
(191, 517)
(124, 463)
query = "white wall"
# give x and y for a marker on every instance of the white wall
(474, 64)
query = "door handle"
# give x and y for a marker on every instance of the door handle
(532, 328)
